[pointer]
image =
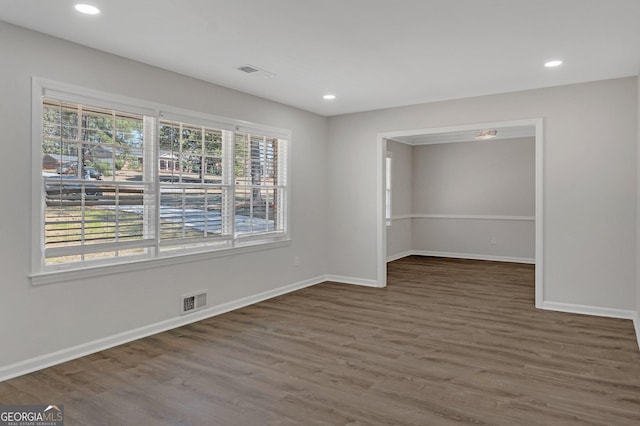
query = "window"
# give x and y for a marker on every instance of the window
(121, 182)
(260, 183)
(194, 182)
(85, 217)
(387, 186)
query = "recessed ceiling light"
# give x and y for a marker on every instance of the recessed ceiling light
(486, 134)
(329, 97)
(554, 63)
(87, 9)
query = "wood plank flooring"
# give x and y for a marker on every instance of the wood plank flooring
(447, 342)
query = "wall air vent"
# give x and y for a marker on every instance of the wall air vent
(193, 302)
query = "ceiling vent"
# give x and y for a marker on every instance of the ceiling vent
(249, 69)
(253, 70)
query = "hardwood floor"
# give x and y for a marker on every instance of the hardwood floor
(448, 341)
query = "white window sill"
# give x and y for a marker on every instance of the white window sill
(52, 277)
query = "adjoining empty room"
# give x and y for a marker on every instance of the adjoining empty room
(462, 194)
(467, 192)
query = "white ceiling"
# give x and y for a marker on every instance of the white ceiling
(371, 53)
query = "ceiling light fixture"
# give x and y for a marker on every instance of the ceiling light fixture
(552, 64)
(486, 134)
(329, 97)
(87, 9)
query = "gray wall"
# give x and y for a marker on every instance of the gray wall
(41, 320)
(589, 183)
(638, 225)
(399, 234)
(493, 177)
(484, 179)
(590, 196)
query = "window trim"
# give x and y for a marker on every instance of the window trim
(388, 188)
(72, 93)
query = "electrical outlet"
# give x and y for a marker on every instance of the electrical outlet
(296, 261)
(494, 241)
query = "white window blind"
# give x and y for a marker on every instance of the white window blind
(93, 171)
(194, 185)
(121, 183)
(260, 183)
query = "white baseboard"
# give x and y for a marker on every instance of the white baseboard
(597, 311)
(48, 360)
(471, 256)
(399, 256)
(588, 310)
(636, 325)
(352, 280)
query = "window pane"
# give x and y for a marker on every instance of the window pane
(191, 156)
(191, 170)
(59, 120)
(128, 153)
(79, 213)
(127, 165)
(212, 169)
(168, 157)
(258, 211)
(256, 159)
(190, 212)
(108, 144)
(59, 138)
(213, 143)
(97, 125)
(259, 195)
(89, 155)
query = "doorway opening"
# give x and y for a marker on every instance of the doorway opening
(518, 130)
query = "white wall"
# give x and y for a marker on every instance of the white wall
(484, 179)
(399, 234)
(37, 321)
(589, 183)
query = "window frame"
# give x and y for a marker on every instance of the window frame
(45, 274)
(388, 187)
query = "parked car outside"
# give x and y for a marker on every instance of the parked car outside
(67, 168)
(93, 173)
